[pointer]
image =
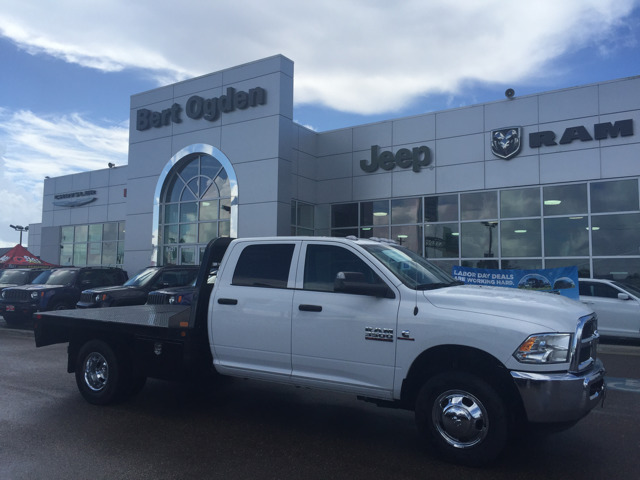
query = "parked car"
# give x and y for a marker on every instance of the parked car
(172, 296)
(178, 295)
(136, 289)
(617, 305)
(57, 289)
(12, 277)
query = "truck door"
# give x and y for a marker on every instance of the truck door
(344, 339)
(250, 312)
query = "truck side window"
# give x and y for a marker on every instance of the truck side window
(323, 262)
(264, 265)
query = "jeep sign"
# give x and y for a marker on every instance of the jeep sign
(416, 158)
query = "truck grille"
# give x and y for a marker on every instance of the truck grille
(87, 297)
(17, 295)
(158, 299)
(585, 346)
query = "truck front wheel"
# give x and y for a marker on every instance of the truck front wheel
(464, 418)
(99, 373)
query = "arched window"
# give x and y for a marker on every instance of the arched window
(195, 207)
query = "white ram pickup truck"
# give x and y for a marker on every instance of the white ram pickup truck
(361, 317)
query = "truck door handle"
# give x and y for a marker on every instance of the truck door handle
(227, 301)
(310, 308)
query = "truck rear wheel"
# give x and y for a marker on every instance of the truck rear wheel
(464, 418)
(100, 373)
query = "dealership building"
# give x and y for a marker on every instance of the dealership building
(538, 181)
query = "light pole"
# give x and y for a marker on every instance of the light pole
(20, 228)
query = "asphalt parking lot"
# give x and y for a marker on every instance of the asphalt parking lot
(252, 430)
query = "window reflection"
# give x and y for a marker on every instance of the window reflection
(374, 213)
(618, 196)
(584, 271)
(487, 263)
(622, 269)
(406, 210)
(572, 234)
(615, 234)
(479, 206)
(479, 239)
(522, 264)
(409, 236)
(379, 232)
(566, 236)
(520, 238)
(443, 208)
(565, 199)
(522, 202)
(441, 240)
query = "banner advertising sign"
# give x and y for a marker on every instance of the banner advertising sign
(562, 281)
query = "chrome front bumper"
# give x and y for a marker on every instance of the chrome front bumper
(560, 397)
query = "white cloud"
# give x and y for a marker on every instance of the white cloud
(361, 56)
(34, 146)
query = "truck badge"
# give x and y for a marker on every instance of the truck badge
(379, 334)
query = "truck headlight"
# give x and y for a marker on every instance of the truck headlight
(35, 295)
(172, 299)
(96, 299)
(544, 348)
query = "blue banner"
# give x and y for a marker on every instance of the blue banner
(562, 281)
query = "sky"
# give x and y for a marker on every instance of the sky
(68, 68)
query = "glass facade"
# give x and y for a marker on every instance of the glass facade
(302, 218)
(593, 225)
(195, 206)
(97, 244)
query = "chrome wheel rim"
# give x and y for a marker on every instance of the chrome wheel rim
(96, 371)
(460, 418)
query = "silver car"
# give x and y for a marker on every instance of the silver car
(616, 304)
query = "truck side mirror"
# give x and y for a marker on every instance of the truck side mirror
(623, 296)
(355, 283)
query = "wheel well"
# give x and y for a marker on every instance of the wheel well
(78, 339)
(445, 358)
(58, 299)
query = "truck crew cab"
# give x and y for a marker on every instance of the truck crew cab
(361, 317)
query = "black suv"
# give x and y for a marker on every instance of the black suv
(136, 289)
(56, 289)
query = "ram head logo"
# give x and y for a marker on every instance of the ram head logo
(506, 143)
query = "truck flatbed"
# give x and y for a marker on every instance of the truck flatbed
(166, 316)
(161, 320)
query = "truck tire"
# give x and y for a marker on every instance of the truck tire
(463, 417)
(101, 374)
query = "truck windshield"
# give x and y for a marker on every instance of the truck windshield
(142, 278)
(411, 269)
(61, 277)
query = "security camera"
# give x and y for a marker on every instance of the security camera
(509, 93)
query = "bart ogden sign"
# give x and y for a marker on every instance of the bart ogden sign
(197, 108)
(562, 281)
